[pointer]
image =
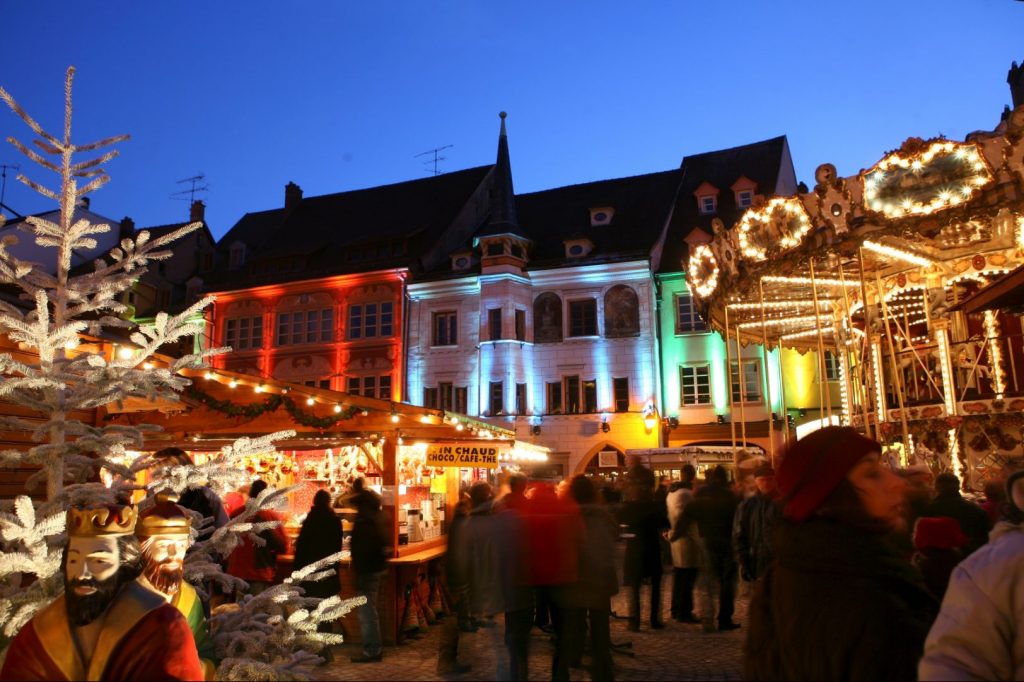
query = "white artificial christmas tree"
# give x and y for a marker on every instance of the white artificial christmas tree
(263, 637)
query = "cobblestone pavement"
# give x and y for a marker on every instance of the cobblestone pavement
(679, 652)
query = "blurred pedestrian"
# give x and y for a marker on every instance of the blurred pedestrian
(995, 500)
(320, 537)
(257, 564)
(752, 528)
(938, 548)
(370, 548)
(949, 502)
(458, 588)
(919, 493)
(645, 522)
(979, 634)
(685, 543)
(713, 510)
(840, 601)
(588, 600)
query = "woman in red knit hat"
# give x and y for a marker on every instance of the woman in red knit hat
(840, 600)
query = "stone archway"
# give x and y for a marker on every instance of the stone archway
(581, 466)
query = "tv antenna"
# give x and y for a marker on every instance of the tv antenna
(196, 187)
(3, 178)
(435, 153)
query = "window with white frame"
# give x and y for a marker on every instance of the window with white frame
(749, 391)
(370, 320)
(305, 326)
(707, 204)
(241, 333)
(695, 385)
(688, 320)
(831, 366)
(745, 198)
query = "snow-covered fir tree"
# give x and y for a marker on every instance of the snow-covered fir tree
(267, 637)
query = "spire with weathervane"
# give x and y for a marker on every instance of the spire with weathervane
(501, 240)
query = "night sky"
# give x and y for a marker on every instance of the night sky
(343, 95)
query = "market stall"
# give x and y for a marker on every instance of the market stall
(868, 271)
(419, 460)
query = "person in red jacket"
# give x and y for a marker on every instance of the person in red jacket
(258, 565)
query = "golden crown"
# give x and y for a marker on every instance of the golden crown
(112, 519)
(164, 518)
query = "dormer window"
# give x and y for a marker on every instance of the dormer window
(743, 189)
(707, 198)
(516, 250)
(495, 249)
(601, 216)
(461, 260)
(578, 248)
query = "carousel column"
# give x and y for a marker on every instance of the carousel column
(879, 382)
(941, 327)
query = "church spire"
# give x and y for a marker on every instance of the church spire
(503, 202)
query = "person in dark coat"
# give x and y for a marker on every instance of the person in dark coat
(588, 600)
(755, 518)
(938, 548)
(371, 547)
(713, 509)
(199, 499)
(645, 521)
(948, 502)
(840, 600)
(458, 587)
(319, 537)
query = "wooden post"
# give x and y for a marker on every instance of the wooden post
(897, 379)
(823, 389)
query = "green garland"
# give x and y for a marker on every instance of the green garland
(269, 404)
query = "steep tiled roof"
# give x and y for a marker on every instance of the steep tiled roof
(384, 227)
(760, 162)
(641, 207)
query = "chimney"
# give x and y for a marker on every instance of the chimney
(198, 212)
(292, 195)
(83, 202)
(127, 227)
(1015, 78)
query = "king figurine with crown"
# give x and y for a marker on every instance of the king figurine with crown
(107, 625)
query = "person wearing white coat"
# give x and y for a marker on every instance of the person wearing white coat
(979, 634)
(685, 545)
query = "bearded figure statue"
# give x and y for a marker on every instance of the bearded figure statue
(164, 532)
(107, 625)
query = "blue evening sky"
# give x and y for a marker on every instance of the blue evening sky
(342, 95)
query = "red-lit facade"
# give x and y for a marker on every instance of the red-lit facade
(343, 332)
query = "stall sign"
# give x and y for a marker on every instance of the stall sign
(465, 454)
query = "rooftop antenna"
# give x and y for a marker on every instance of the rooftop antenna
(435, 153)
(3, 178)
(196, 187)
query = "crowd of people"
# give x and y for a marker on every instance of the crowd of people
(855, 570)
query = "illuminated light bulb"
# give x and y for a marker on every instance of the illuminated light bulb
(455, 420)
(208, 376)
(232, 384)
(337, 408)
(259, 388)
(284, 390)
(425, 419)
(394, 417)
(125, 353)
(459, 427)
(401, 440)
(71, 345)
(309, 400)
(147, 365)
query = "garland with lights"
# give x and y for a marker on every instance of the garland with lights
(270, 404)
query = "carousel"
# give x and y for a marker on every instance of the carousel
(876, 272)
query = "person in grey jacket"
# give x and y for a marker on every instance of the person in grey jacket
(979, 634)
(685, 547)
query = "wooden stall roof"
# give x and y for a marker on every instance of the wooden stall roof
(1005, 293)
(222, 406)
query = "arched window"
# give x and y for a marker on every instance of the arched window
(621, 312)
(547, 318)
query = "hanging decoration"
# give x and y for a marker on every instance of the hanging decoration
(270, 404)
(703, 271)
(781, 225)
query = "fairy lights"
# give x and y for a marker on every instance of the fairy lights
(992, 334)
(791, 221)
(946, 367)
(779, 305)
(898, 254)
(777, 322)
(954, 454)
(968, 177)
(876, 362)
(844, 390)
(703, 271)
(1020, 232)
(818, 281)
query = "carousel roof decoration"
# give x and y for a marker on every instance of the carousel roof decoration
(779, 226)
